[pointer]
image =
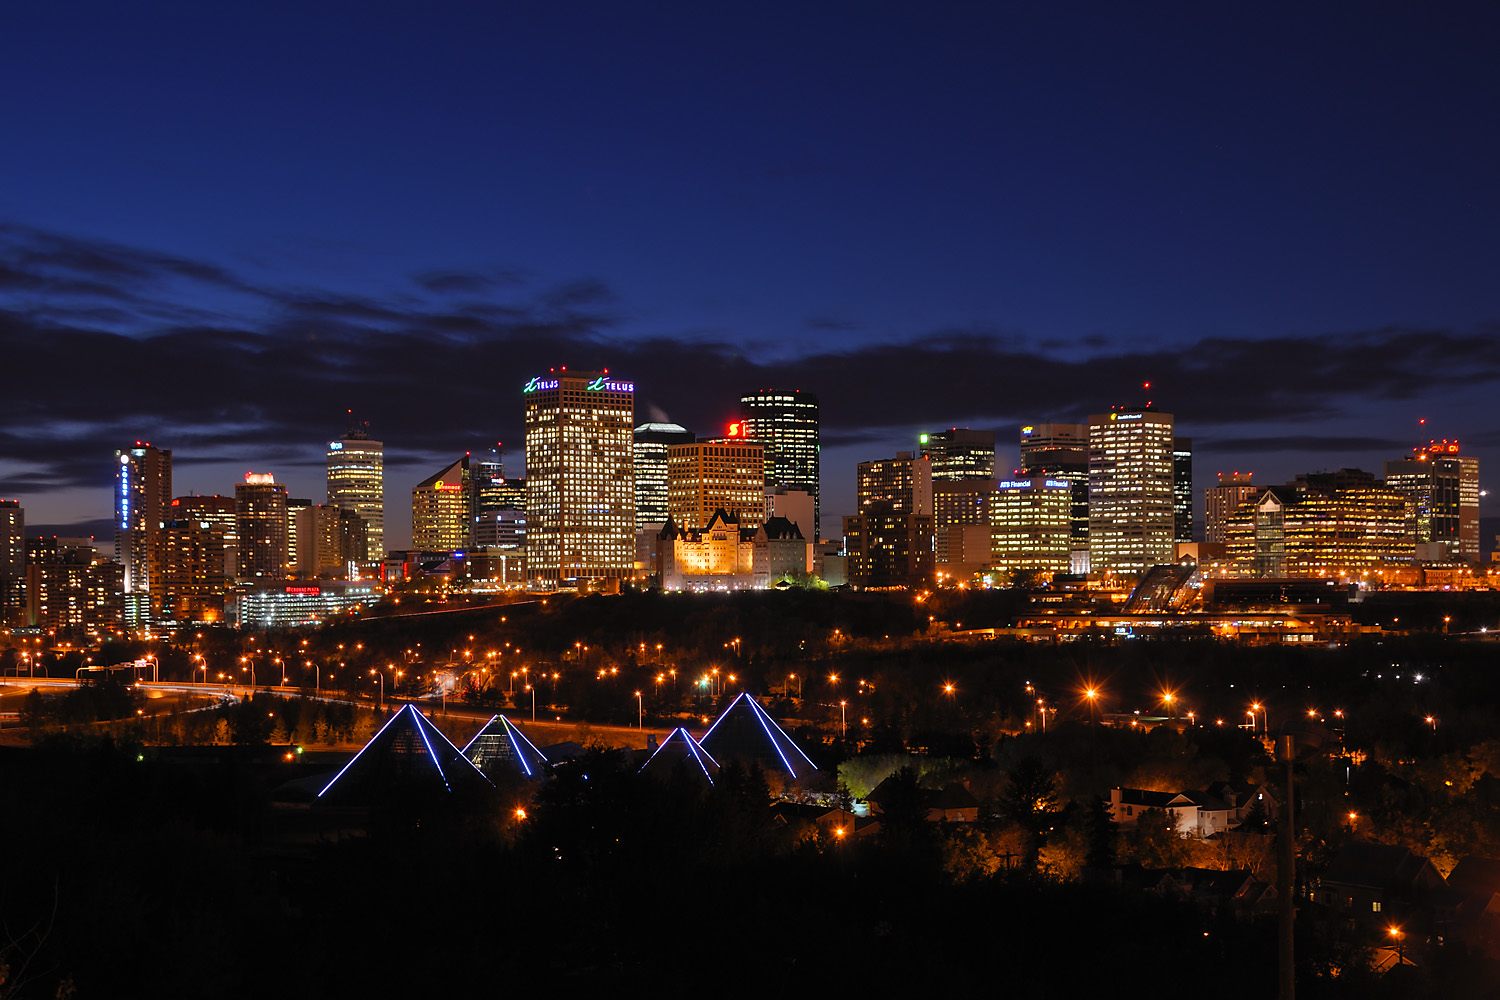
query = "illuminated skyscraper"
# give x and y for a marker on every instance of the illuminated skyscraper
(1182, 489)
(580, 477)
(707, 476)
(260, 521)
(356, 481)
(651, 443)
(960, 453)
(1441, 487)
(786, 422)
(890, 540)
(1061, 452)
(12, 563)
(143, 500)
(440, 520)
(1221, 501)
(1132, 523)
(1030, 525)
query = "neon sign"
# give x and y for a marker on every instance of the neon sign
(335, 446)
(604, 383)
(538, 384)
(737, 430)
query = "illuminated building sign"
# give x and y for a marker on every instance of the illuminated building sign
(607, 385)
(1027, 430)
(447, 486)
(539, 384)
(260, 478)
(1124, 416)
(737, 430)
(305, 591)
(335, 446)
(1026, 484)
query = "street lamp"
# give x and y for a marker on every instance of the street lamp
(1400, 938)
(843, 719)
(640, 712)
(381, 675)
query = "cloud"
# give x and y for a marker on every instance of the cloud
(127, 343)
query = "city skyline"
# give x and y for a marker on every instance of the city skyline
(930, 219)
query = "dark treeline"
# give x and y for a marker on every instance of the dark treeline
(159, 878)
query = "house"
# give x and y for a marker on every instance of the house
(953, 803)
(1242, 797)
(1365, 880)
(1194, 813)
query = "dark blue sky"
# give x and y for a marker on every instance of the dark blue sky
(222, 228)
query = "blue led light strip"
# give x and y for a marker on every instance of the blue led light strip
(776, 745)
(482, 730)
(662, 747)
(516, 749)
(435, 762)
(362, 750)
(743, 694)
(767, 720)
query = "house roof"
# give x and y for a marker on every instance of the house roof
(1153, 800)
(1475, 875)
(781, 528)
(408, 750)
(500, 745)
(954, 796)
(1375, 866)
(679, 751)
(745, 731)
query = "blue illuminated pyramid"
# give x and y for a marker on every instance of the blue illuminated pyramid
(745, 732)
(408, 753)
(679, 752)
(501, 746)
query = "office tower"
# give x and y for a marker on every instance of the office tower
(580, 477)
(1031, 523)
(1182, 489)
(1061, 452)
(890, 541)
(356, 481)
(440, 519)
(1220, 501)
(143, 494)
(958, 503)
(260, 522)
(192, 571)
(1054, 446)
(1441, 487)
(1341, 525)
(651, 443)
(495, 498)
(786, 422)
(329, 541)
(960, 453)
(219, 513)
(706, 476)
(12, 563)
(1132, 523)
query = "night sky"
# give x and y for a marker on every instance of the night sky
(220, 230)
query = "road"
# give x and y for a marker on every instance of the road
(542, 732)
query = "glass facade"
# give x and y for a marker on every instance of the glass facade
(786, 423)
(356, 481)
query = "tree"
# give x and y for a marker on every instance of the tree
(1154, 842)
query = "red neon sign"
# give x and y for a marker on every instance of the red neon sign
(737, 430)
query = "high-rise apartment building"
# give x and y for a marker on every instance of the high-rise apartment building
(69, 591)
(785, 421)
(260, 522)
(12, 563)
(356, 481)
(707, 476)
(496, 499)
(1221, 501)
(1441, 487)
(440, 510)
(294, 507)
(960, 453)
(1031, 525)
(143, 497)
(651, 443)
(1182, 489)
(901, 485)
(1132, 522)
(580, 477)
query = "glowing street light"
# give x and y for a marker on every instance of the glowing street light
(640, 712)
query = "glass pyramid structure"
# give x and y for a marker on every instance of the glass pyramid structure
(681, 751)
(746, 732)
(408, 751)
(500, 745)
